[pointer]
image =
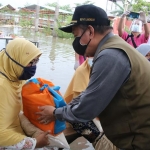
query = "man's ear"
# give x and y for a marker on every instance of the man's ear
(91, 29)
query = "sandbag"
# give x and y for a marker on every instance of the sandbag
(30, 130)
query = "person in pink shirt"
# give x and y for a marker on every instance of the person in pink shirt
(79, 59)
(138, 25)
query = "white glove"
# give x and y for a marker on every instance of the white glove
(76, 65)
(125, 14)
(143, 17)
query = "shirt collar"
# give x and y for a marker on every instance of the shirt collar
(105, 38)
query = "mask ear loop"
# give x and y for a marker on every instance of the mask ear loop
(141, 25)
(13, 59)
(131, 25)
(2, 49)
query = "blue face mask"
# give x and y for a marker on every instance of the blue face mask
(28, 72)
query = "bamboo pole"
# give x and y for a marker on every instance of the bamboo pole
(55, 26)
(106, 5)
(37, 16)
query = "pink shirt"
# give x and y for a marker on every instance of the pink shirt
(138, 40)
(81, 59)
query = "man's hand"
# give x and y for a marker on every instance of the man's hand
(46, 114)
(42, 140)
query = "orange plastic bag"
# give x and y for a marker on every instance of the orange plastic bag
(40, 92)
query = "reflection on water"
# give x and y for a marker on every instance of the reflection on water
(56, 64)
(57, 60)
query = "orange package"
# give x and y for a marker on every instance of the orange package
(40, 92)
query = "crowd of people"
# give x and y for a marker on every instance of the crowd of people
(111, 81)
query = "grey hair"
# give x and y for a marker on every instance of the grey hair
(97, 28)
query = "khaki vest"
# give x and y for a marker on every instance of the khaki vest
(126, 120)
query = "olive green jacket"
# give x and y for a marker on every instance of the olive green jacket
(126, 120)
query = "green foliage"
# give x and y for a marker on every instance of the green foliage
(60, 33)
(84, 3)
(27, 23)
(47, 30)
(121, 7)
(141, 5)
(52, 4)
(64, 7)
(136, 5)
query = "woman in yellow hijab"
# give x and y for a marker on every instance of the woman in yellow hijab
(17, 64)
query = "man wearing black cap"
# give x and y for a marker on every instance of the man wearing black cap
(119, 88)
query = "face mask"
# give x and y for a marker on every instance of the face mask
(28, 72)
(90, 61)
(136, 28)
(79, 49)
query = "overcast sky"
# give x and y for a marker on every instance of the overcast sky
(21, 3)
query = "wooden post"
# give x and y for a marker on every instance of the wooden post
(37, 16)
(55, 26)
(125, 5)
(106, 5)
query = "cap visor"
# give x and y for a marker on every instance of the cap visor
(68, 28)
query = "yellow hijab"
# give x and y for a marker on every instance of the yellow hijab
(23, 52)
(79, 81)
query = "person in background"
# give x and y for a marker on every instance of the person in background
(148, 41)
(1, 34)
(17, 64)
(115, 93)
(79, 59)
(136, 37)
(144, 49)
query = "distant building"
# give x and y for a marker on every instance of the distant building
(45, 10)
(7, 8)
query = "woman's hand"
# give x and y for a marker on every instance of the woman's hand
(125, 14)
(143, 17)
(42, 139)
(46, 114)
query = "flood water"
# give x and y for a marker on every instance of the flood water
(56, 64)
(57, 60)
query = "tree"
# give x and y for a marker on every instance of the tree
(64, 7)
(141, 5)
(136, 5)
(121, 7)
(1, 5)
(84, 3)
(54, 4)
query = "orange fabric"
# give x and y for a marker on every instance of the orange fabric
(32, 97)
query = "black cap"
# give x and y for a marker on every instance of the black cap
(87, 15)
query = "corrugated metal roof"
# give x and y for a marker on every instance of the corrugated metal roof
(33, 7)
(9, 6)
(60, 10)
